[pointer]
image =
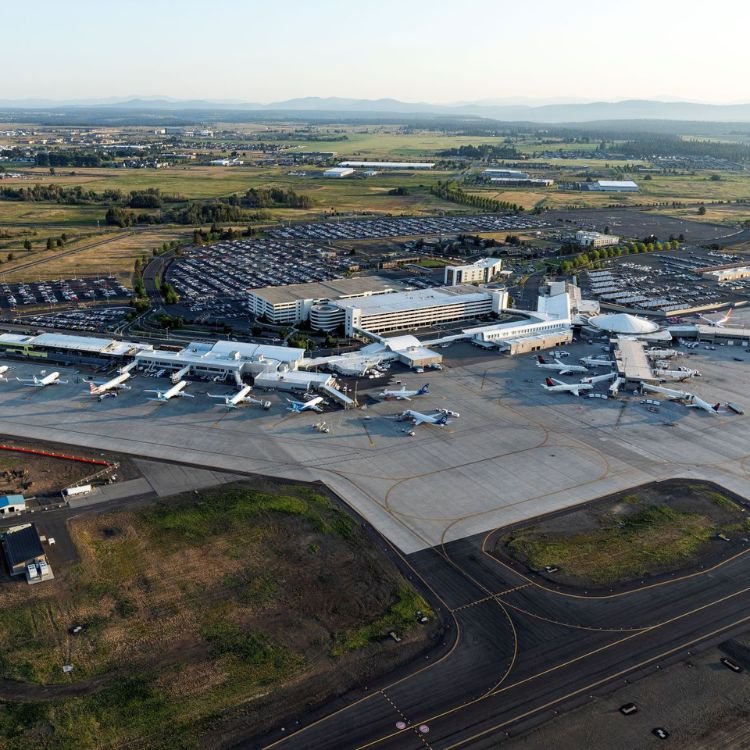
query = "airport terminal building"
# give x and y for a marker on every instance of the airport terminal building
(402, 311)
(294, 303)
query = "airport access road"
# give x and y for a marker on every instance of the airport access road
(523, 652)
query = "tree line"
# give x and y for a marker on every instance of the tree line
(450, 192)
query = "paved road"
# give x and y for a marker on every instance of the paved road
(523, 652)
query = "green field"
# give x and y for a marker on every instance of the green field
(195, 608)
(656, 529)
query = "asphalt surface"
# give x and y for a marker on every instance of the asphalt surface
(523, 653)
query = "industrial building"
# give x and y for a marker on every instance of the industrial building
(612, 186)
(338, 172)
(401, 311)
(734, 273)
(481, 271)
(12, 504)
(511, 174)
(523, 182)
(388, 164)
(24, 553)
(595, 239)
(294, 303)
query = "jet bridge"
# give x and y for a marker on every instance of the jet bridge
(337, 395)
(176, 377)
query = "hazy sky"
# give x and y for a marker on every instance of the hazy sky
(415, 50)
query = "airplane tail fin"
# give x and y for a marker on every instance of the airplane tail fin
(443, 420)
(92, 388)
(716, 407)
(424, 389)
(540, 359)
(549, 382)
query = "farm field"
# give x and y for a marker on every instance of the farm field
(200, 610)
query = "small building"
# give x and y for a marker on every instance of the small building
(510, 174)
(12, 504)
(338, 172)
(24, 553)
(595, 239)
(481, 271)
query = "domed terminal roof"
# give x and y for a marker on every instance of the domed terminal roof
(623, 323)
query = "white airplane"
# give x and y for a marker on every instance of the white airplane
(440, 419)
(599, 378)
(176, 391)
(670, 393)
(557, 386)
(403, 394)
(3, 370)
(718, 323)
(559, 366)
(698, 403)
(595, 362)
(241, 397)
(680, 374)
(299, 406)
(97, 389)
(52, 379)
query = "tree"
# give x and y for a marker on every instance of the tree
(27, 244)
(11, 256)
(702, 211)
(50, 243)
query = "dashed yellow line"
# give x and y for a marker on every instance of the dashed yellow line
(490, 598)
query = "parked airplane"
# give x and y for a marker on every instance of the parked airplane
(717, 323)
(403, 394)
(176, 391)
(559, 366)
(599, 378)
(241, 397)
(596, 362)
(299, 406)
(557, 386)
(670, 393)
(52, 379)
(699, 403)
(97, 389)
(440, 419)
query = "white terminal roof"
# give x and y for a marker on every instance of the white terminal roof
(228, 352)
(389, 164)
(76, 343)
(418, 299)
(623, 323)
(632, 361)
(481, 263)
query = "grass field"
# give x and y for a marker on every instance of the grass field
(194, 607)
(633, 535)
(115, 257)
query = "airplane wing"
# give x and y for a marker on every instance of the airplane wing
(418, 421)
(151, 390)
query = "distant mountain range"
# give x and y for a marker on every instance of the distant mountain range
(506, 110)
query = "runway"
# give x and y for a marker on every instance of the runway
(522, 653)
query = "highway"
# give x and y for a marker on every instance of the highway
(522, 652)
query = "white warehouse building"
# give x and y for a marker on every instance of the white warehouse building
(595, 239)
(403, 311)
(338, 172)
(481, 271)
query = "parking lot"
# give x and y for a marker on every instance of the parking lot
(406, 227)
(662, 282)
(61, 291)
(96, 319)
(226, 270)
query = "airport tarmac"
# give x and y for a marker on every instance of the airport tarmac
(514, 453)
